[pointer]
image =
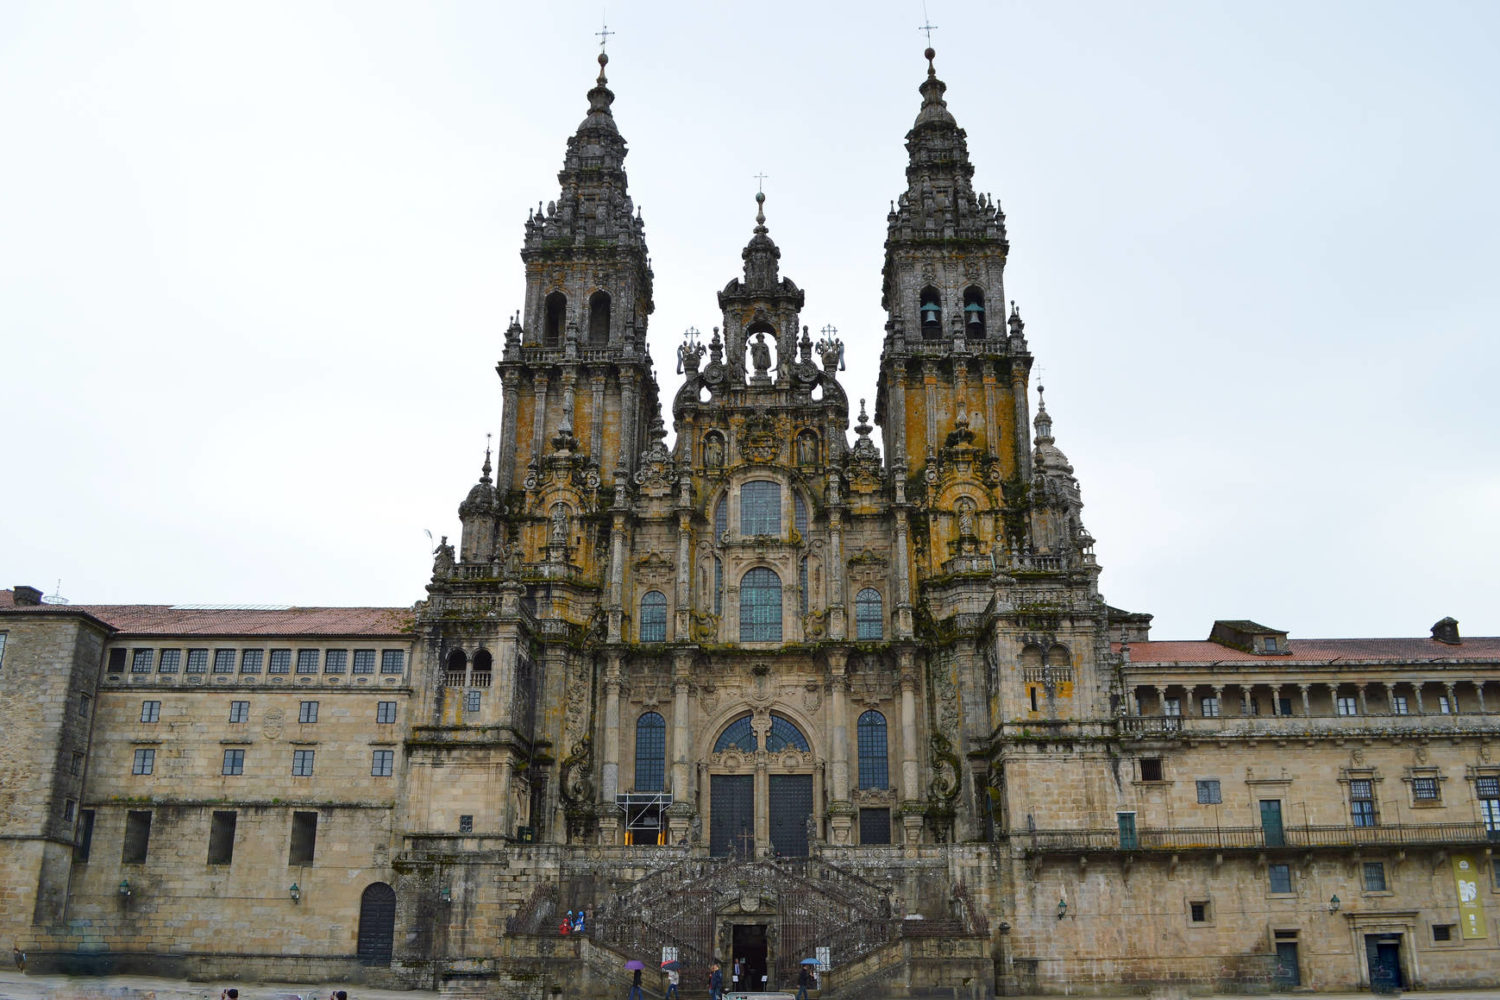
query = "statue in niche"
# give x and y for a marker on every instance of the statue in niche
(713, 452)
(965, 518)
(442, 565)
(760, 355)
(807, 448)
(560, 524)
(695, 836)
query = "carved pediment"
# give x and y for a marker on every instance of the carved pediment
(655, 569)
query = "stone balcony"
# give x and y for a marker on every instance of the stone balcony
(1306, 726)
(1178, 840)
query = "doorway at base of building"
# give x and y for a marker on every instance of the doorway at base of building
(751, 954)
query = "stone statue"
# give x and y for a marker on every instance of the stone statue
(812, 829)
(560, 524)
(966, 518)
(760, 354)
(442, 565)
(713, 452)
(695, 831)
(807, 449)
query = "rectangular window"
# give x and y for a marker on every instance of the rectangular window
(1442, 932)
(1150, 768)
(250, 660)
(197, 662)
(221, 837)
(1198, 911)
(85, 704)
(874, 826)
(150, 711)
(1362, 802)
(1444, 708)
(1210, 705)
(137, 837)
(382, 762)
(1487, 787)
(239, 711)
(392, 661)
(234, 762)
(302, 763)
(364, 661)
(145, 761)
(223, 661)
(169, 662)
(1270, 644)
(1424, 789)
(1128, 839)
(1208, 792)
(68, 806)
(335, 661)
(1398, 704)
(142, 660)
(308, 712)
(281, 662)
(307, 661)
(83, 836)
(1281, 877)
(1285, 704)
(1374, 876)
(471, 701)
(1171, 706)
(304, 838)
(466, 824)
(1346, 704)
(116, 661)
(385, 712)
(2, 649)
(760, 508)
(76, 767)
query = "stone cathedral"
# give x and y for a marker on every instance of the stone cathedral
(770, 694)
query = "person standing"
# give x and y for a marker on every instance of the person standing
(804, 980)
(635, 988)
(715, 982)
(671, 985)
(19, 956)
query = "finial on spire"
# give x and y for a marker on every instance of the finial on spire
(929, 28)
(485, 471)
(603, 35)
(760, 211)
(760, 182)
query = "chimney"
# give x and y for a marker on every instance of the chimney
(27, 597)
(1445, 631)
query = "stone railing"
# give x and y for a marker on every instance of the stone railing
(1151, 725)
(1220, 838)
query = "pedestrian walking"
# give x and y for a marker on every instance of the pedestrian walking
(671, 985)
(635, 988)
(804, 981)
(715, 982)
(19, 956)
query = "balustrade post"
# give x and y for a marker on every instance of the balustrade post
(1452, 697)
(1390, 697)
(1306, 700)
(1416, 687)
(1363, 706)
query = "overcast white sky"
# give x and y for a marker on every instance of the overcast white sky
(256, 261)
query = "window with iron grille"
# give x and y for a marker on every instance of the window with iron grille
(302, 763)
(307, 712)
(250, 660)
(234, 762)
(466, 823)
(760, 508)
(197, 661)
(223, 661)
(654, 617)
(239, 711)
(718, 586)
(1362, 802)
(650, 753)
(802, 586)
(364, 661)
(307, 661)
(472, 701)
(874, 756)
(784, 734)
(799, 513)
(385, 712)
(169, 661)
(144, 762)
(335, 661)
(392, 661)
(1281, 877)
(142, 661)
(760, 606)
(738, 735)
(1424, 789)
(382, 762)
(869, 615)
(1374, 876)
(281, 662)
(721, 518)
(150, 711)
(1208, 792)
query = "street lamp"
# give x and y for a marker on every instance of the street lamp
(295, 892)
(1062, 908)
(124, 887)
(1333, 904)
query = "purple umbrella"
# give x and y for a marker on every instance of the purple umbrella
(634, 964)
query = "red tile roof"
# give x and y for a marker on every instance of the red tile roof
(1420, 650)
(161, 619)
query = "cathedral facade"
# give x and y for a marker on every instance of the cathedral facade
(764, 694)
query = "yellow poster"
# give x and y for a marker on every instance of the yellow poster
(1470, 906)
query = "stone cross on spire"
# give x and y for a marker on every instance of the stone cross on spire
(603, 34)
(927, 24)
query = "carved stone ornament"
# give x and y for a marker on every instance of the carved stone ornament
(273, 723)
(758, 441)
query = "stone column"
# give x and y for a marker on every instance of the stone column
(505, 475)
(929, 387)
(991, 431)
(903, 618)
(896, 450)
(627, 420)
(596, 419)
(609, 770)
(539, 417)
(1452, 697)
(1416, 688)
(840, 808)
(681, 812)
(1306, 700)
(761, 725)
(1161, 699)
(1479, 692)
(1364, 707)
(911, 791)
(1219, 698)
(1023, 425)
(837, 612)
(684, 602)
(1390, 697)
(1276, 699)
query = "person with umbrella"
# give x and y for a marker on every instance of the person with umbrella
(804, 977)
(635, 983)
(670, 968)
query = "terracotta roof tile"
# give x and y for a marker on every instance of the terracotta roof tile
(1480, 648)
(161, 619)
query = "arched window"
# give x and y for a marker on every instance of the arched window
(1057, 656)
(718, 586)
(784, 733)
(483, 663)
(555, 318)
(650, 753)
(760, 606)
(973, 312)
(599, 319)
(654, 617)
(874, 764)
(799, 513)
(869, 617)
(721, 518)
(737, 736)
(456, 664)
(931, 314)
(802, 586)
(760, 508)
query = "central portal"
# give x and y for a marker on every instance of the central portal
(791, 805)
(750, 953)
(731, 817)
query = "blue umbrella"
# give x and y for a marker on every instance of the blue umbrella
(809, 961)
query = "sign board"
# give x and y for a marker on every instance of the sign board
(821, 954)
(668, 954)
(1470, 906)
